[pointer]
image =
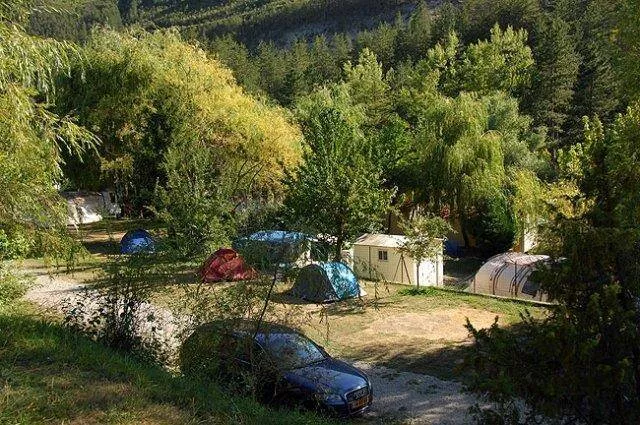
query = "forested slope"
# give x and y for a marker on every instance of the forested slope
(73, 19)
(276, 20)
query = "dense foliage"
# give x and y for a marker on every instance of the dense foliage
(336, 191)
(179, 137)
(583, 362)
(33, 139)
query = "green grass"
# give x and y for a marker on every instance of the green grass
(49, 374)
(453, 298)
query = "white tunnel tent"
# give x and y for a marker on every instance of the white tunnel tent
(508, 275)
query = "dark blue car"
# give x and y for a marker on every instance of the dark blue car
(288, 367)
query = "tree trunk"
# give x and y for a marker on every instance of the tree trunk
(338, 253)
(465, 235)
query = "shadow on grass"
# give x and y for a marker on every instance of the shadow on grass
(444, 362)
(346, 307)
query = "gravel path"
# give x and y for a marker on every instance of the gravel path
(400, 397)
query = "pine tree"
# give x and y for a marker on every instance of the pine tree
(342, 49)
(628, 59)
(297, 65)
(554, 76)
(446, 22)
(598, 88)
(416, 38)
(237, 57)
(324, 66)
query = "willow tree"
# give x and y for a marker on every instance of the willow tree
(179, 135)
(468, 150)
(32, 137)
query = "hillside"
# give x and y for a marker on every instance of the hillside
(281, 21)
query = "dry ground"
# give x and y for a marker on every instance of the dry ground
(414, 333)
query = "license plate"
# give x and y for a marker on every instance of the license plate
(359, 403)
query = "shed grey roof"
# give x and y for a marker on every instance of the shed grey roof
(381, 240)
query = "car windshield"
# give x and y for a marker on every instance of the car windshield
(291, 350)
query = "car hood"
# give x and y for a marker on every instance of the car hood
(330, 375)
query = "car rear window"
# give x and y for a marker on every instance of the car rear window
(291, 350)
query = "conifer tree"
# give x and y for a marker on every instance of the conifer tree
(416, 38)
(554, 75)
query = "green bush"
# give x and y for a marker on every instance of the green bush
(12, 287)
(13, 246)
(494, 227)
(199, 352)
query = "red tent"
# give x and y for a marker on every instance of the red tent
(226, 265)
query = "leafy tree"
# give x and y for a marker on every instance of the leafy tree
(424, 239)
(336, 191)
(154, 100)
(33, 138)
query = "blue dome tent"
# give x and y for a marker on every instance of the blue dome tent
(135, 241)
(326, 282)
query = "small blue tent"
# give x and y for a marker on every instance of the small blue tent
(135, 241)
(326, 282)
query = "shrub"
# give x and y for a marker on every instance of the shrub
(12, 287)
(494, 227)
(117, 312)
(13, 246)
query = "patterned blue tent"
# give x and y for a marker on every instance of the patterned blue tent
(326, 282)
(272, 247)
(135, 241)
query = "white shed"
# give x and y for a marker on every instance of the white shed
(507, 275)
(378, 257)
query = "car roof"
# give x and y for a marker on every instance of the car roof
(245, 327)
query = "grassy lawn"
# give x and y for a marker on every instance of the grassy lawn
(51, 375)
